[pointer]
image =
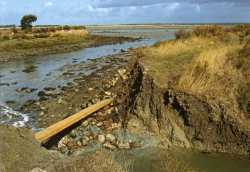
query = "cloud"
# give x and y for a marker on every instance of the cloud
(116, 3)
(125, 11)
(48, 4)
(3, 3)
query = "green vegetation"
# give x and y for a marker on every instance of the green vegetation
(18, 44)
(27, 20)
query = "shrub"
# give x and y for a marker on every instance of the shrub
(42, 35)
(78, 27)
(182, 34)
(27, 20)
(209, 31)
(20, 36)
(6, 37)
(14, 30)
(52, 29)
(66, 27)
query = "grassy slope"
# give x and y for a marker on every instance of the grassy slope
(208, 67)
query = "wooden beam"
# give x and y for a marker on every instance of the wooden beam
(47, 133)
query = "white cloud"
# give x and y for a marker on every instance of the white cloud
(174, 6)
(198, 8)
(3, 3)
(48, 4)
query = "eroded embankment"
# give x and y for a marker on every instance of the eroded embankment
(179, 118)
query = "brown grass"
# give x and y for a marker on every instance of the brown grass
(212, 63)
(167, 60)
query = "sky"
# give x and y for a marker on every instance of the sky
(82, 12)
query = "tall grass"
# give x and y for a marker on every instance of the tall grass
(211, 72)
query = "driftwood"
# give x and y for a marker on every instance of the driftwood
(51, 131)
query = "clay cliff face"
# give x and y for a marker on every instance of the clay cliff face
(180, 118)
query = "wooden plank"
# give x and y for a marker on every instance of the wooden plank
(62, 125)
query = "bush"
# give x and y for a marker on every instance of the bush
(14, 30)
(182, 34)
(42, 35)
(78, 27)
(52, 29)
(66, 27)
(20, 36)
(209, 31)
(27, 20)
(6, 37)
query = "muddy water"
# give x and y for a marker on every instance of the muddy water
(148, 160)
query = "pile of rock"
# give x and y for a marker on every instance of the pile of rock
(93, 131)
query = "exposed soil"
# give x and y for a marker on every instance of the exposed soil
(182, 119)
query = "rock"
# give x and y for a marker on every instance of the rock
(99, 124)
(85, 123)
(25, 90)
(123, 51)
(73, 134)
(111, 138)
(109, 146)
(37, 170)
(108, 93)
(63, 142)
(122, 73)
(101, 138)
(60, 101)
(41, 94)
(49, 89)
(41, 114)
(91, 89)
(115, 125)
(84, 142)
(109, 111)
(30, 69)
(79, 143)
(124, 145)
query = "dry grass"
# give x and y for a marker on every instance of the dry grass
(214, 64)
(211, 72)
(166, 61)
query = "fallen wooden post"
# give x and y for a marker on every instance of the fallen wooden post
(47, 133)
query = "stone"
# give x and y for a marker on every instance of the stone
(63, 142)
(101, 138)
(84, 142)
(108, 93)
(37, 170)
(108, 145)
(99, 124)
(41, 114)
(110, 137)
(60, 101)
(124, 145)
(91, 89)
(79, 143)
(85, 123)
